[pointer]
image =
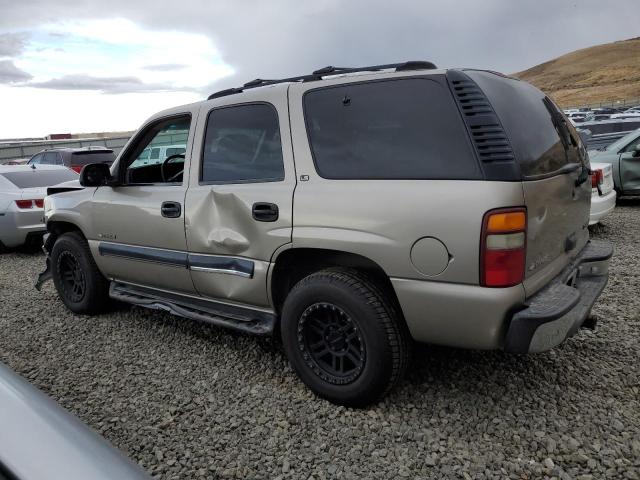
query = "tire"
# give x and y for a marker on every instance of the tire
(80, 285)
(344, 337)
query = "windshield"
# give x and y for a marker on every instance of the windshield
(621, 143)
(40, 178)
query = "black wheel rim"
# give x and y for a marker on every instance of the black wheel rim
(331, 343)
(71, 277)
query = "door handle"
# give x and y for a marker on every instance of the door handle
(265, 212)
(171, 209)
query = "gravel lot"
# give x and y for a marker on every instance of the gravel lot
(188, 400)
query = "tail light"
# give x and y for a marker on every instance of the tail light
(597, 177)
(503, 247)
(27, 204)
(76, 168)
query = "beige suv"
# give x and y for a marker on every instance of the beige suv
(350, 211)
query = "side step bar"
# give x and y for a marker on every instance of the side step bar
(255, 322)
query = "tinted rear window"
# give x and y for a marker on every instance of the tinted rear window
(526, 117)
(87, 158)
(392, 129)
(40, 178)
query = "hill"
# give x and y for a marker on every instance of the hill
(603, 73)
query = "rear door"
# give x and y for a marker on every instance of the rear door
(239, 202)
(554, 170)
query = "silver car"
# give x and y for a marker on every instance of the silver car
(22, 192)
(350, 212)
(624, 157)
(40, 440)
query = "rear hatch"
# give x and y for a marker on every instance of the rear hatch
(553, 169)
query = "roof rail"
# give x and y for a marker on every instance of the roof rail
(326, 71)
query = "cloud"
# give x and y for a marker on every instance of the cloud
(12, 44)
(165, 67)
(100, 84)
(9, 73)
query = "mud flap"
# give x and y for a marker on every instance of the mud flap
(46, 275)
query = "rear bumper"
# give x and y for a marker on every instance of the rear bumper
(18, 227)
(557, 311)
(601, 206)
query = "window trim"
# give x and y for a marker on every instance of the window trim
(238, 182)
(436, 78)
(135, 143)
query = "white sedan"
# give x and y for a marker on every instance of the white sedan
(22, 192)
(603, 196)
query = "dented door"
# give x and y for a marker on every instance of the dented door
(238, 209)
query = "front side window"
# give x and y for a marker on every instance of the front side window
(393, 129)
(159, 155)
(36, 160)
(242, 144)
(632, 146)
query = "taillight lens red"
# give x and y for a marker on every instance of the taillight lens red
(27, 204)
(503, 247)
(24, 204)
(597, 178)
(76, 168)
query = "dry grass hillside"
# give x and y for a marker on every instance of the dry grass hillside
(603, 73)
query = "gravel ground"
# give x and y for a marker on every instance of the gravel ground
(187, 400)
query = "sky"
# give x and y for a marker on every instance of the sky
(95, 65)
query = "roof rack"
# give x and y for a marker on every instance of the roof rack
(325, 71)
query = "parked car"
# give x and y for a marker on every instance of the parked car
(351, 211)
(632, 112)
(158, 154)
(39, 439)
(22, 192)
(624, 157)
(603, 195)
(73, 158)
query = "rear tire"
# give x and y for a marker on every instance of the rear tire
(80, 285)
(344, 337)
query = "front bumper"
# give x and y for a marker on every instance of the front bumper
(557, 311)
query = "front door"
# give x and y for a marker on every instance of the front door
(239, 203)
(630, 168)
(139, 225)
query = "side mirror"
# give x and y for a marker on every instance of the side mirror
(95, 175)
(636, 151)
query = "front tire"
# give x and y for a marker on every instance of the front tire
(80, 285)
(344, 337)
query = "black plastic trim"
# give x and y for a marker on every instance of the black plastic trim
(176, 258)
(325, 71)
(230, 264)
(145, 254)
(256, 322)
(489, 138)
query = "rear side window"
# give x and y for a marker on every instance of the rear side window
(392, 129)
(242, 144)
(40, 178)
(92, 157)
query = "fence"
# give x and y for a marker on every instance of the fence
(26, 149)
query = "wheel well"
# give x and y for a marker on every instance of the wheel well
(294, 264)
(57, 228)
